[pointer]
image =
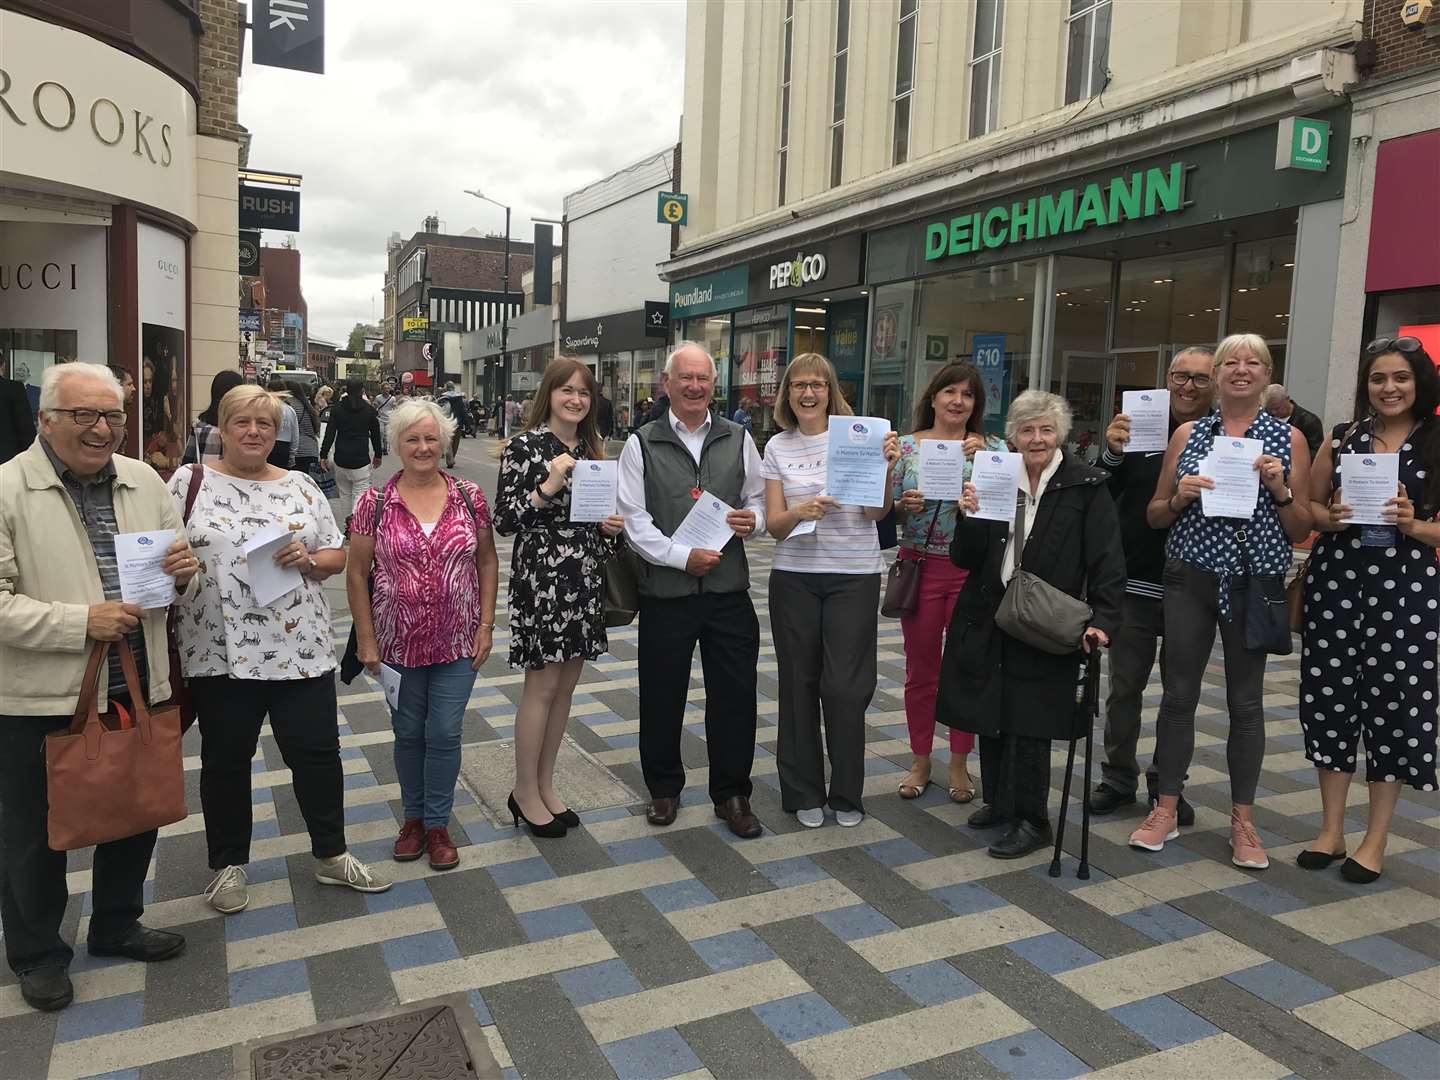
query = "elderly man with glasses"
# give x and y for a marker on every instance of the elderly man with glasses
(62, 502)
(1132, 652)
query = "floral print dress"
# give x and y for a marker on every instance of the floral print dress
(556, 568)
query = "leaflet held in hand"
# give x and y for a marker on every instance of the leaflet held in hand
(1367, 483)
(593, 485)
(704, 526)
(942, 469)
(855, 466)
(268, 579)
(996, 477)
(139, 556)
(1231, 464)
(1149, 413)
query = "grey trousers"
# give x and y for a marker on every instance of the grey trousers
(824, 626)
(1132, 659)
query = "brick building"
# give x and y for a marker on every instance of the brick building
(285, 318)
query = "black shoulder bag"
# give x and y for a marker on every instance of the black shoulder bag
(1261, 607)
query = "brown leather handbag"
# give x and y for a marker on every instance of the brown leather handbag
(113, 776)
(902, 584)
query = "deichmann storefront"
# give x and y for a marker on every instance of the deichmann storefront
(1089, 285)
(97, 202)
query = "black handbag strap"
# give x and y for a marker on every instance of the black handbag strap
(930, 532)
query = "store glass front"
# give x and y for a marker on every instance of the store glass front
(713, 332)
(762, 349)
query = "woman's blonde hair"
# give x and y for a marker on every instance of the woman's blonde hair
(809, 363)
(1235, 342)
(241, 398)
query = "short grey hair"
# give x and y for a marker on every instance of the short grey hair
(1192, 350)
(1038, 405)
(410, 412)
(681, 347)
(58, 373)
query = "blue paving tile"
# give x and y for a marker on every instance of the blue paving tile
(893, 1074)
(402, 894)
(855, 922)
(355, 815)
(875, 766)
(463, 797)
(374, 851)
(598, 982)
(1032, 1056)
(270, 981)
(934, 983)
(737, 949)
(1163, 1022)
(555, 922)
(784, 873)
(651, 1057)
(510, 1074)
(87, 1019)
(1266, 899)
(897, 852)
(418, 949)
(630, 851)
(521, 872)
(360, 780)
(624, 742)
(1427, 858)
(678, 895)
(967, 898)
(257, 922)
(1054, 952)
(265, 830)
(118, 1074)
(1411, 1055)
(261, 795)
(267, 870)
(1280, 985)
(480, 1009)
(613, 813)
(351, 753)
(1385, 955)
(803, 1016)
(1408, 808)
(1161, 922)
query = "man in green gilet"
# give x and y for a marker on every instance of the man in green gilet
(692, 594)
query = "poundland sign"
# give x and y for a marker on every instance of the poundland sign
(724, 291)
(1144, 193)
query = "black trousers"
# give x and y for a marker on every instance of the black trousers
(33, 892)
(1132, 659)
(824, 628)
(306, 727)
(728, 632)
(1015, 776)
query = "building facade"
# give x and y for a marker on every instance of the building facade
(1065, 195)
(118, 159)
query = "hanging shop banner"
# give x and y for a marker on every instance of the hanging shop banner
(250, 321)
(673, 209)
(269, 208)
(724, 290)
(414, 328)
(160, 261)
(657, 319)
(249, 254)
(290, 34)
(806, 270)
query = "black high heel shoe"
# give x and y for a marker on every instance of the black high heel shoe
(553, 827)
(569, 818)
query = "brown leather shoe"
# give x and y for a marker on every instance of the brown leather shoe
(410, 844)
(737, 814)
(662, 811)
(441, 848)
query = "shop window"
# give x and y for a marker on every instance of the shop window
(649, 372)
(613, 375)
(1260, 284)
(762, 349)
(785, 99)
(837, 111)
(713, 332)
(904, 80)
(985, 67)
(1170, 299)
(1089, 52)
(25, 354)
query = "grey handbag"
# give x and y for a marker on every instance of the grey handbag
(1036, 612)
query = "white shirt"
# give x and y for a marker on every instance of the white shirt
(640, 529)
(844, 541)
(1017, 543)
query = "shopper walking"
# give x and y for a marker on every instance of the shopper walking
(385, 404)
(204, 441)
(427, 538)
(1211, 564)
(246, 660)
(557, 617)
(1014, 696)
(354, 433)
(307, 449)
(287, 439)
(952, 409)
(1372, 615)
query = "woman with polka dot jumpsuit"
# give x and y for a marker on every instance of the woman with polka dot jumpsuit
(1372, 610)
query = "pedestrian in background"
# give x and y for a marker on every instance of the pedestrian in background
(204, 441)
(1133, 477)
(1209, 561)
(952, 409)
(432, 617)
(1279, 404)
(17, 424)
(62, 501)
(307, 450)
(246, 661)
(557, 612)
(354, 433)
(385, 404)
(824, 591)
(287, 439)
(690, 594)
(1372, 610)
(1015, 697)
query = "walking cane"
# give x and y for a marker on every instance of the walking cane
(1089, 699)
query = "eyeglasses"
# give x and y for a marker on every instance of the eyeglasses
(1404, 345)
(88, 418)
(809, 387)
(1180, 378)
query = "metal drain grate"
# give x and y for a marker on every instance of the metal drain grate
(423, 1045)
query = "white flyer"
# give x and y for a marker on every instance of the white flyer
(1367, 483)
(1149, 412)
(942, 469)
(1231, 465)
(389, 680)
(855, 465)
(802, 528)
(139, 556)
(593, 485)
(268, 580)
(996, 477)
(704, 526)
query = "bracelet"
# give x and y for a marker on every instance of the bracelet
(1281, 505)
(487, 626)
(546, 498)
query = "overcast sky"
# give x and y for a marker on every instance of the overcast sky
(525, 99)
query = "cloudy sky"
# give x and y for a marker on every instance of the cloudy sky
(525, 99)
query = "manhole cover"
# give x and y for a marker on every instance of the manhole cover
(488, 770)
(425, 1045)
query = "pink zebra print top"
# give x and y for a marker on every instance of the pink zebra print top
(427, 592)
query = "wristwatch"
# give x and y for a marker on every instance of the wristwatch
(1289, 498)
(313, 565)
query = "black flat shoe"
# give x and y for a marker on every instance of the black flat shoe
(47, 988)
(1317, 860)
(569, 818)
(1351, 870)
(1184, 812)
(547, 829)
(1021, 840)
(986, 817)
(141, 944)
(1106, 800)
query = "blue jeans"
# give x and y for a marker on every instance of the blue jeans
(427, 737)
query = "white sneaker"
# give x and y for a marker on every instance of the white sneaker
(345, 869)
(848, 819)
(812, 818)
(229, 892)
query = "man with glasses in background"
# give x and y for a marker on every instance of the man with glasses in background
(1132, 649)
(62, 502)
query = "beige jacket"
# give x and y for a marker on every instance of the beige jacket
(49, 579)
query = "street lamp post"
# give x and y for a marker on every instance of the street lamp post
(504, 420)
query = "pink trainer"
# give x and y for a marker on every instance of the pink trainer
(1245, 847)
(1158, 827)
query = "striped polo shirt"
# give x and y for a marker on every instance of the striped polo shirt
(843, 542)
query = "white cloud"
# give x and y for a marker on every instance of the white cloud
(421, 100)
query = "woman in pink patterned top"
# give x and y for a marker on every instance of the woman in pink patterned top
(431, 618)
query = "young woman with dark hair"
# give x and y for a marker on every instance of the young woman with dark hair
(205, 431)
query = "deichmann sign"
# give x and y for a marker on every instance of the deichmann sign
(1131, 196)
(1301, 143)
(723, 291)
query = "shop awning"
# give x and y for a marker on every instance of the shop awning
(1406, 217)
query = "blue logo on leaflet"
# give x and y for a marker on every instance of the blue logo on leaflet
(859, 433)
(714, 504)
(1145, 397)
(940, 445)
(594, 467)
(1237, 444)
(995, 458)
(145, 541)
(1368, 461)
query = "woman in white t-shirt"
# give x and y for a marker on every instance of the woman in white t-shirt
(824, 597)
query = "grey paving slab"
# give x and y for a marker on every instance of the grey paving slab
(880, 887)
(315, 903)
(27, 1040)
(348, 982)
(199, 984)
(714, 862)
(574, 853)
(961, 1065)
(655, 953)
(738, 1046)
(623, 703)
(287, 809)
(1421, 937)
(182, 865)
(382, 763)
(1074, 918)
(474, 910)
(214, 1063)
(926, 830)
(364, 716)
(542, 1031)
(835, 971)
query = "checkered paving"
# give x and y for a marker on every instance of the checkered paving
(895, 949)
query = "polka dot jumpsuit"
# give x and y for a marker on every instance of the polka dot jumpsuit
(1369, 647)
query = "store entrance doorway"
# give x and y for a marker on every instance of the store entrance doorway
(1093, 384)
